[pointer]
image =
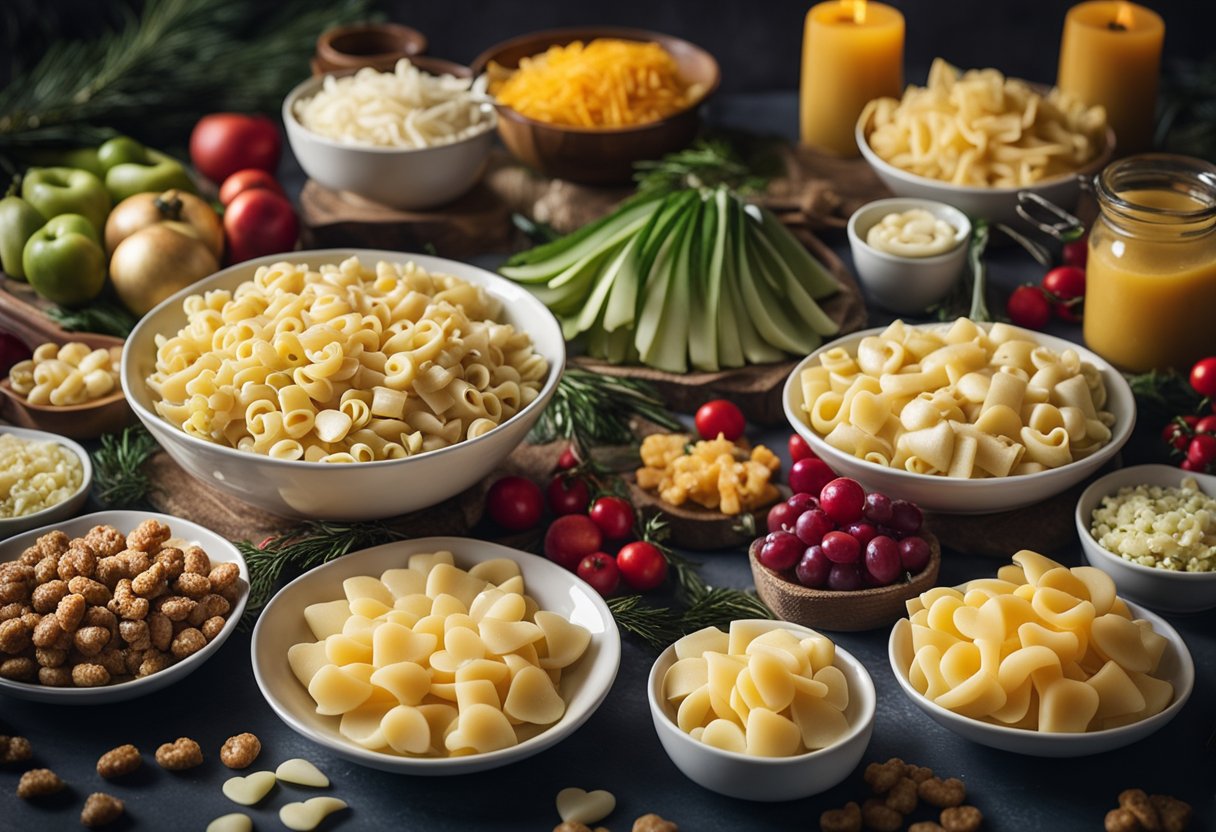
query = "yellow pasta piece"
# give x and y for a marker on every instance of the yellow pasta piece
(325, 619)
(726, 735)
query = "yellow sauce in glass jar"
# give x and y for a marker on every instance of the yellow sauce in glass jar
(1150, 299)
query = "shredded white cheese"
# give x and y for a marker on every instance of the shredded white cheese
(1162, 527)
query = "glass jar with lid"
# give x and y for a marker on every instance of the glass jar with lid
(1150, 299)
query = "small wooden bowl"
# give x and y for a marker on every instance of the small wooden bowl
(76, 421)
(598, 156)
(862, 609)
(699, 528)
(378, 45)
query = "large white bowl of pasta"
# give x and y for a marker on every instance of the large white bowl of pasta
(960, 417)
(343, 384)
(976, 140)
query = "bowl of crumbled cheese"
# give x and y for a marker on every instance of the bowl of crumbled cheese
(44, 478)
(1153, 529)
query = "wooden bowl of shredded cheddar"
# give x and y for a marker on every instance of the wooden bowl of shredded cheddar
(584, 104)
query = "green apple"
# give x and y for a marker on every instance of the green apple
(64, 261)
(55, 191)
(84, 158)
(18, 222)
(133, 169)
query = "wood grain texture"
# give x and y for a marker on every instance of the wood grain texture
(23, 314)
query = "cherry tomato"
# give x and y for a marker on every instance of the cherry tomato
(799, 449)
(572, 538)
(1175, 435)
(1028, 307)
(642, 565)
(600, 570)
(1187, 465)
(1202, 450)
(515, 503)
(614, 516)
(568, 459)
(720, 417)
(1203, 377)
(1076, 253)
(1067, 284)
(568, 495)
(1206, 425)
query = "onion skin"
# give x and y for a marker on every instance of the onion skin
(143, 210)
(158, 261)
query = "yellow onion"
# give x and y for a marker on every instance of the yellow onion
(142, 210)
(157, 261)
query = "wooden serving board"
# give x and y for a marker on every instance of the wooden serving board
(699, 528)
(23, 313)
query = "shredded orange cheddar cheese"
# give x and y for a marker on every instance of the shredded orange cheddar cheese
(605, 83)
(716, 474)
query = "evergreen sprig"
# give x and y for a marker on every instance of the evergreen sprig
(707, 164)
(104, 317)
(119, 480)
(592, 409)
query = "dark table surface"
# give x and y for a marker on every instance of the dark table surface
(617, 749)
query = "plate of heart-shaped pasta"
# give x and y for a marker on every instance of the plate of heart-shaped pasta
(1044, 660)
(436, 656)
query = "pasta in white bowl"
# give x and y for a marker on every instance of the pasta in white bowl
(961, 417)
(421, 372)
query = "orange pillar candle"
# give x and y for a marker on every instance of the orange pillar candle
(1111, 55)
(852, 53)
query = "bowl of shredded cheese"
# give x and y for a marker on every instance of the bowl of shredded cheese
(585, 104)
(406, 138)
(977, 139)
(1153, 529)
(44, 478)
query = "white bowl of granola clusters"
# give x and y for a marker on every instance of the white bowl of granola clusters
(1160, 546)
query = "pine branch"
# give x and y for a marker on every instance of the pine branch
(657, 626)
(118, 477)
(595, 409)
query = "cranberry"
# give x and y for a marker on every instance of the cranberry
(906, 517)
(813, 525)
(843, 499)
(781, 518)
(841, 547)
(914, 553)
(781, 550)
(863, 531)
(814, 568)
(810, 475)
(844, 577)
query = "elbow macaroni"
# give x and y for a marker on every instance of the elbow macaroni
(58, 376)
(344, 363)
(958, 401)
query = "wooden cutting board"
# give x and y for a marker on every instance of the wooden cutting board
(23, 313)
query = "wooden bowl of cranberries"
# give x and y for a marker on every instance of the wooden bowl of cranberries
(838, 558)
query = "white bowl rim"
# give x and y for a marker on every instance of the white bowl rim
(305, 87)
(872, 157)
(177, 669)
(555, 369)
(610, 651)
(863, 723)
(1117, 440)
(1102, 488)
(960, 234)
(86, 476)
(1160, 626)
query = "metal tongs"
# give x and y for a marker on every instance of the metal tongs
(1048, 218)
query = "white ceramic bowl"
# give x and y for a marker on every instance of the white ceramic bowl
(1176, 667)
(1161, 589)
(408, 179)
(767, 778)
(360, 491)
(968, 496)
(216, 547)
(907, 285)
(994, 204)
(13, 525)
(583, 685)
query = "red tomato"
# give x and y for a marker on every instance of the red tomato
(1206, 425)
(799, 449)
(515, 503)
(614, 516)
(223, 143)
(1028, 307)
(569, 459)
(1175, 435)
(720, 417)
(1067, 285)
(1202, 450)
(1203, 377)
(1076, 253)
(642, 565)
(571, 538)
(248, 180)
(601, 571)
(259, 222)
(568, 495)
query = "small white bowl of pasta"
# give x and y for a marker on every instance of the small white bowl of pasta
(735, 773)
(1162, 589)
(436, 153)
(472, 359)
(63, 472)
(909, 452)
(583, 685)
(1111, 686)
(1080, 145)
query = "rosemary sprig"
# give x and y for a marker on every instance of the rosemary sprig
(591, 408)
(100, 316)
(657, 626)
(313, 543)
(707, 164)
(118, 477)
